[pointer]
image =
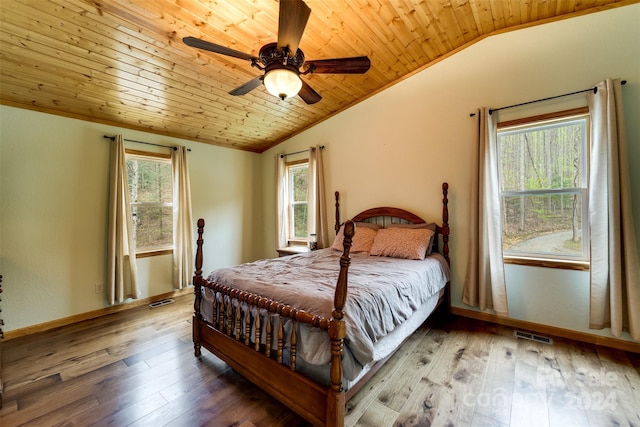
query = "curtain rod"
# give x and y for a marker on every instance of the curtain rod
(298, 152)
(594, 89)
(173, 147)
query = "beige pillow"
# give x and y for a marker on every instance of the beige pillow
(408, 243)
(430, 226)
(362, 240)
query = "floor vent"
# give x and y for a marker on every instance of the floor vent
(533, 337)
(161, 303)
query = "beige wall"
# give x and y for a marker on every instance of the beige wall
(398, 146)
(54, 194)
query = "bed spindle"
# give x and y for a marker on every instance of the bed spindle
(215, 309)
(237, 320)
(223, 310)
(280, 338)
(247, 325)
(293, 340)
(257, 331)
(267, 347)
(228, 321)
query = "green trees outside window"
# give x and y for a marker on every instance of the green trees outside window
(298, 176)
(151, 191)
(543, 170)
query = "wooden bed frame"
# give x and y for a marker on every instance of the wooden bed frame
(320, 405)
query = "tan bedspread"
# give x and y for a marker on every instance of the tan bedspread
(382, 293)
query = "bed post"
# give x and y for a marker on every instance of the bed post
(197, 290)
(337, 331)
(337, 226)
(445, 243)
(445, 222)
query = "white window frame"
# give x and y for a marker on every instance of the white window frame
(292, 239)
(157, 157)
(543, 259)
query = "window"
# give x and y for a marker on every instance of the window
(150, 187)
(297, 197)
(543, 177)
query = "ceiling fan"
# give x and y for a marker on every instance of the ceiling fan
(282, 61)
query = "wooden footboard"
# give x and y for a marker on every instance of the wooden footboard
(234, 335)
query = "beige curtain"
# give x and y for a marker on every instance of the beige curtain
(317, 223)
(122, 274)
(183, 230)
(615, 269)
(281, 202)
(484, 286)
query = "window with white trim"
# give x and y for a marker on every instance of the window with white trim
(151, 195)
(297, 201)
(543, 178)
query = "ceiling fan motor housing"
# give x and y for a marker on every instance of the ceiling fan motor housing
(272, 57)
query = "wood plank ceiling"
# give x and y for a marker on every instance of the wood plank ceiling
(123, 63)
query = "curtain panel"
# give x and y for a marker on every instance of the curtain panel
(281, 202)
(485, 285)
(122, 273)
(614, 269)
(318, 224)
(182, 220)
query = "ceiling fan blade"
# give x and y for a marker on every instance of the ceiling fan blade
(355, 65)
(247, 87)
(293, 18)
(308, 95)
(215, 48)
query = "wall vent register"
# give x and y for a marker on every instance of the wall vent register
(533, 337)
(161, 303)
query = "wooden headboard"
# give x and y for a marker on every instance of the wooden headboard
(387, 215)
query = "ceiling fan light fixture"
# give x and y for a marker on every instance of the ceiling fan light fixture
(282, 82)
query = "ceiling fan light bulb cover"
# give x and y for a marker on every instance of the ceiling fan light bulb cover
(282, 83)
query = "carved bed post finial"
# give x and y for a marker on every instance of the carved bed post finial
(445, 222)
(337, 226)
(199, 242)
(197, 288)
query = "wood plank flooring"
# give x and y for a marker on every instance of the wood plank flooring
(136, 368)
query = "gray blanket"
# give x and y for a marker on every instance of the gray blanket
(382, 293)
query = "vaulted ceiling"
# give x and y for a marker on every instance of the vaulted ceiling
(123, 62)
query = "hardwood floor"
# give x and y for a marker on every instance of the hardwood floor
(136, 368)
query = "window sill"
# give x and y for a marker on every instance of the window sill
(292, 250)
(154, 253)
(547, 263)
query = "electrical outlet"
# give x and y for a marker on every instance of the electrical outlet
(99, 288)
